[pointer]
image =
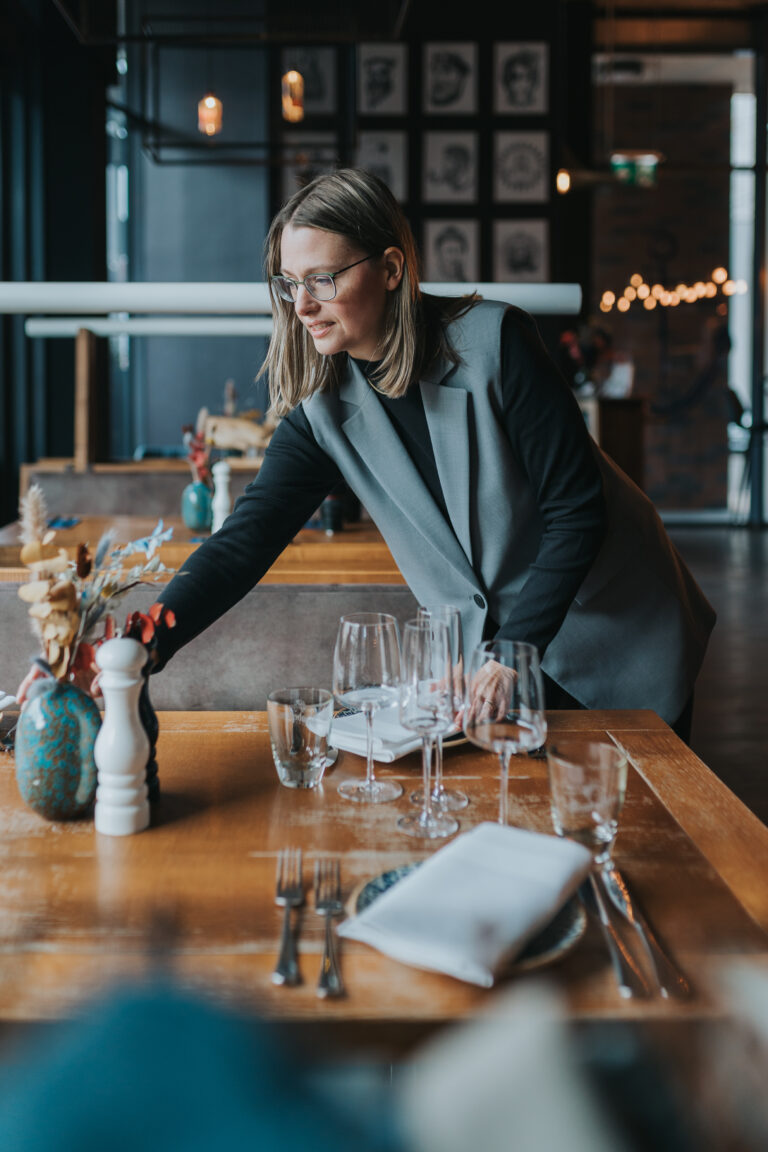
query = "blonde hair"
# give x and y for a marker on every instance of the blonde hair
(357, 205)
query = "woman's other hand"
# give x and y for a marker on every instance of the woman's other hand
(489, 693)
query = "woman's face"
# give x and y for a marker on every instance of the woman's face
(353, 321)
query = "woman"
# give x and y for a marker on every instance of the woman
(448, 420)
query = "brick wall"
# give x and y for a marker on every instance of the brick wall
(676, 232)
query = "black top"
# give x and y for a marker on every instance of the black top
(547, 434)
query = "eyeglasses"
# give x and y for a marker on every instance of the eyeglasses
(321, 285)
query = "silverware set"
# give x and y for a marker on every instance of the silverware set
(641, 966)
(289, 894)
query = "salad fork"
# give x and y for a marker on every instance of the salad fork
(289, 893)
(328, 904)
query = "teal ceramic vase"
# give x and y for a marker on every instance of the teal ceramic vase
(55, 768)
(197, 506)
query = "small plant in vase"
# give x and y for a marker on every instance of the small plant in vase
(70, 604)
(197, 497)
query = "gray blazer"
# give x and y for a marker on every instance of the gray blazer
(636, 632)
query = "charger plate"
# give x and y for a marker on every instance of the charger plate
(554, 941)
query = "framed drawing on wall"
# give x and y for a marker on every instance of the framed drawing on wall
(450, 167)
(521, 78)
(305, 157)
(450, 78)
(452, 251)
(382, 79)
(318, 68)
(385, 154)
(520, 251)
(521, 167)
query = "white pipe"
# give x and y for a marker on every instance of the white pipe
(236, 299)
(152, 326)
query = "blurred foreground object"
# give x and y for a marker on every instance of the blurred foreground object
(506, 1080)
(157, 1071)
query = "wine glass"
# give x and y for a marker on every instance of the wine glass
(504, 710)
(426, 707)
(448, 799)
(366, 676)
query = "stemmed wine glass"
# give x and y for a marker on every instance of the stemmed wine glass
(366, 676)
(448, 799)
(426, 707)
(504, 709)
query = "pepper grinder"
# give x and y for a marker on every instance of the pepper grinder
(222, 501)
(121, 750)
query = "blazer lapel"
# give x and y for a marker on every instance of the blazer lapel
(370, 431)
(447, 419)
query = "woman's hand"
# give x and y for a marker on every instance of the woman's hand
(489, 693)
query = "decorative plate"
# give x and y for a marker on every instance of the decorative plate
(562, 933)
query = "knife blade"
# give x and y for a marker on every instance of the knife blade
(671, 980)
(629, 973)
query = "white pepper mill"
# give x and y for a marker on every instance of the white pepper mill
(222, 500)
(122, 746)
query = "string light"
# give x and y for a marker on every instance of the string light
(652, 295)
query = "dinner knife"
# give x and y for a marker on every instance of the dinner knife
(671, 980)
(629, 974)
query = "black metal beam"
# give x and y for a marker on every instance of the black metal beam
(756, 453)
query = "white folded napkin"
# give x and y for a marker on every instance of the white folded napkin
(390, 739)
(475, 904)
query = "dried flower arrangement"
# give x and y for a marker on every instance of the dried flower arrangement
(69, 599)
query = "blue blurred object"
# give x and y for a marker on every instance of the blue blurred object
(155, 1071)
(63, 521)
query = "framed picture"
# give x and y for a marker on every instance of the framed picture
(450, 167)
(318, 67)
(452, 251)
(305, 157)
(382, 79)
(521, 167)
(521, 78)
(386, 155)
(450, 78)
(520, 251)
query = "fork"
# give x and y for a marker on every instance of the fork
(328, 904)
(289, 894)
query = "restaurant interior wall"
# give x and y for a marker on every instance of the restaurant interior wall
(207, 221)
(185, 222)
(52, 217)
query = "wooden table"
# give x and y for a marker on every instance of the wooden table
(77, 909)
(356, 555)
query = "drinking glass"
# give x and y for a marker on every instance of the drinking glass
(299, 723)
(504, 710)
(448, 799)
(426, 707)
(366, 676)
(587, 781)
